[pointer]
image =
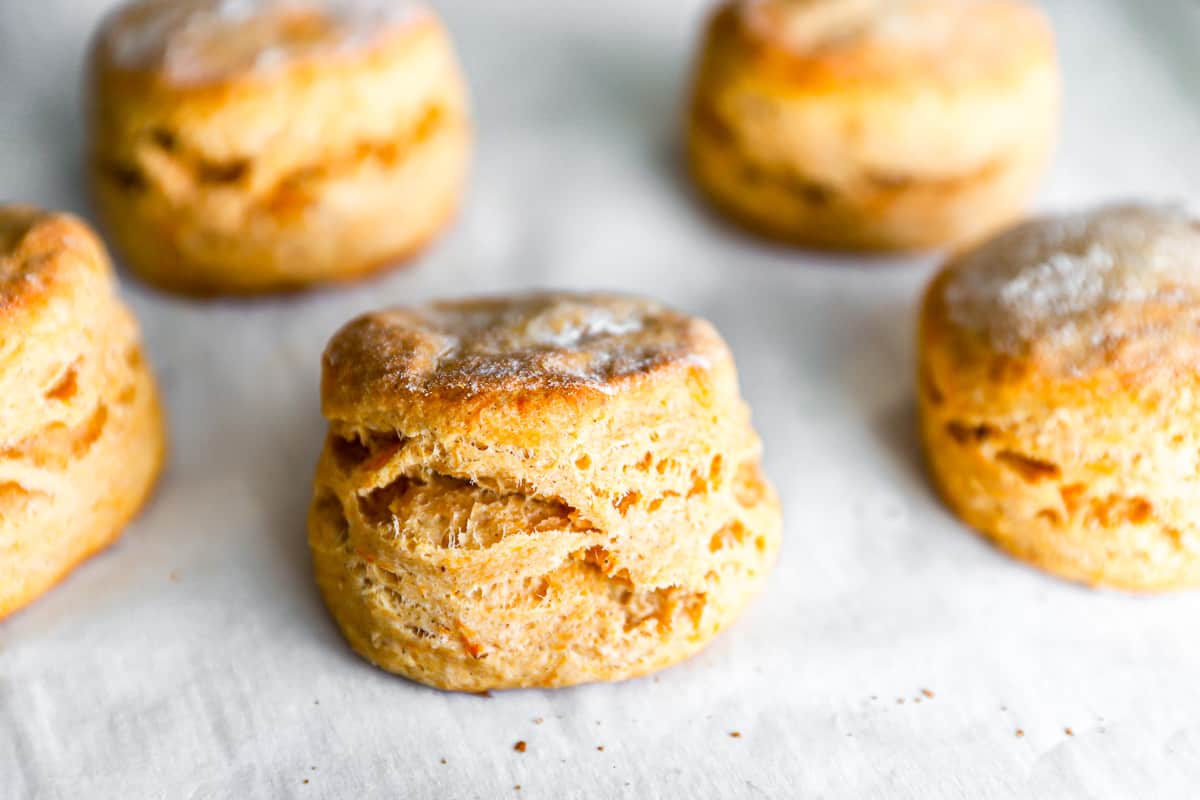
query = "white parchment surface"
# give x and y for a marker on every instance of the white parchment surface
(195, 660)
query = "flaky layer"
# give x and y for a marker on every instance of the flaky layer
(623, 421)
(465, 585)
(69, 492)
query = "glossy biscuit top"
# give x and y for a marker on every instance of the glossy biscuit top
(535, 343)
(200, 42)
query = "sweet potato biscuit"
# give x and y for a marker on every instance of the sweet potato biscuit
(255, 145)
(873, 124)
(538, 490)
(1060, 394)
(81, 433)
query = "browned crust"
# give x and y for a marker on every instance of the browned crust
(367, 378)
(43, 254)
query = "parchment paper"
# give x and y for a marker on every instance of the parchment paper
(195, 660)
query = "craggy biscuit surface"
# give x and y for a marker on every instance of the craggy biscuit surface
(527, 343)
(1058, 386)
(81, 433)
(865, 124)
(537, 490)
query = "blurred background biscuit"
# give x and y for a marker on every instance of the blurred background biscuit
(256, 146)
(873, 125)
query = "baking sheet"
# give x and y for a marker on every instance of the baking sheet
(194, 659)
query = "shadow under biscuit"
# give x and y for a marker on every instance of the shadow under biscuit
(859, 361)
(246, 433)
(877, 375)
(290, 488)
(824, 360)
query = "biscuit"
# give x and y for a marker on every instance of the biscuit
(241, 146)
(873, 124)
(1059, 375)
(81, 433)
(540, 490)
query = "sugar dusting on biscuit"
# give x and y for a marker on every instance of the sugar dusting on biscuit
(201, 41)
(544, 340)
(1079, 282)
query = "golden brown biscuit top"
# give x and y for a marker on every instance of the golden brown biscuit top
(1081, 286)
(514, 344)
(871, 38)
(39, 252)
(197, 42)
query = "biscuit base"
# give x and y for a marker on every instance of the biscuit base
(377, 217)
(575, 625)
(1120, 540)
(902, 216)
(52, 531)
